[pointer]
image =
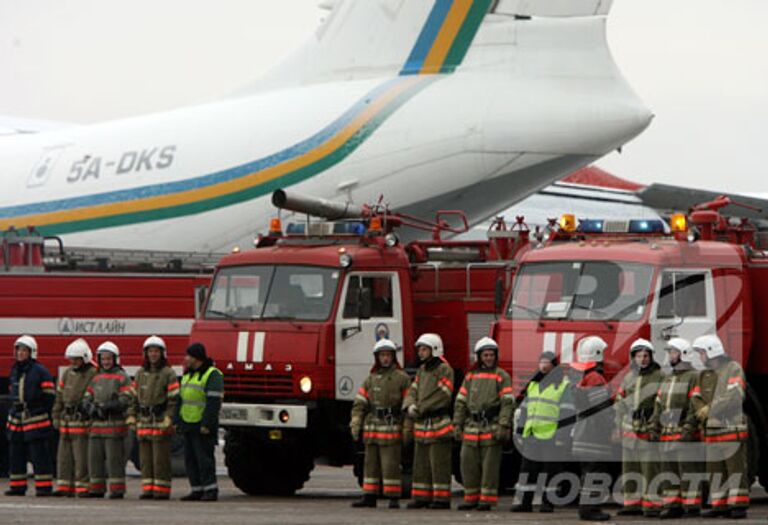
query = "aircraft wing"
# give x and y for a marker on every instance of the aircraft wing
(667, 199)
(16, 125)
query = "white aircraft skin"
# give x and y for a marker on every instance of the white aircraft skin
(368, 107)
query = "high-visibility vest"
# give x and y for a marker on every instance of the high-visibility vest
(193, 395)
(543, 409)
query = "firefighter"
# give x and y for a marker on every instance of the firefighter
(70, 419)
(108, 402)
(428, 403)
(547, 403)
(157, 393)
(202, 390)
(718, 402)
(29, 426)
(592, 431)
(377, 410)
(483, 420)
(633, 406)
(674, 425)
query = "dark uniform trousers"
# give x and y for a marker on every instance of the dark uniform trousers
(37, 452)
(199, 460)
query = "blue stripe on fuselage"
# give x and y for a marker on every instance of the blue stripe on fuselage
(427, 37)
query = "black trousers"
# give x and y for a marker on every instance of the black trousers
(594, 493)
(37, 452)
(200, 462)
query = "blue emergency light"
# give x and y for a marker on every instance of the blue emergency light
(621, 226)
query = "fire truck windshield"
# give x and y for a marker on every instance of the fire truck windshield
(302, 293)
(581, 290)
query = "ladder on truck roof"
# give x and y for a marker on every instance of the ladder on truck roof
(104, 259)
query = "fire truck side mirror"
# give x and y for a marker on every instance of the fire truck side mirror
(200, 294)
(364, 303)
(499, 295)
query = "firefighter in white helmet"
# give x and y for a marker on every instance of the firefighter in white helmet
(70, 418)
(594, 420)
(109, 402)
(633, 406)
(483, 420)
(29, 427)
(157, 395)
(674, 425)
(718, 404)
(428, 403)
(377, 411)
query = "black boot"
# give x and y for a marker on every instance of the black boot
(147, 495)
(394, 503)
(95, 495)
(522, 507)
(630, 512)
(593, 514)
(737, 514)
(672, 513)
(367, 501)
(210, 495)
(714, 513)
(14, 492)
(418, 504)
(192, 496)
(440, 505)
(467, 505)
(484, 507)
(693, 513)
(653, 513)
(116, 495)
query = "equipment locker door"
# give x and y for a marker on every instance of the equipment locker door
(355, 336)
(684, 306)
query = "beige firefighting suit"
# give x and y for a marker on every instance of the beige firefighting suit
(73, 423)
(157, 393)
(377, 410)
(431, 392)
(483, 415)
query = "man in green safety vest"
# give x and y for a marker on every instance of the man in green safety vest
(546, 404)
(202, 390)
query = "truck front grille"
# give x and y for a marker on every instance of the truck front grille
(257, 384)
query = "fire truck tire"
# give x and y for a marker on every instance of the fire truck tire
(259, 468)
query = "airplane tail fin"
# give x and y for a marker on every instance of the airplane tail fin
(378, 38)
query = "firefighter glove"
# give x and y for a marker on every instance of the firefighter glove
(413, 412)
(205, 431)
(702, 413)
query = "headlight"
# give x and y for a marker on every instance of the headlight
(305, 384)
(391, 240)
(345, 260)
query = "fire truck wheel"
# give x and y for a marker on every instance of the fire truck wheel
(262, 468)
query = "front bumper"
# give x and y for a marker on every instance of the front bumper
(263, 415)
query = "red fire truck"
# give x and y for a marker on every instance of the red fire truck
(700, 274)
(58, 295)
(292, 324)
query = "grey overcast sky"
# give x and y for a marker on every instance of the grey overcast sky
(700, 64)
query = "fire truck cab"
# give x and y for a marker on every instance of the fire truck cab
(622, 280)
(292, 324)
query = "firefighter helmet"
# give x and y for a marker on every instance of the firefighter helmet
(29, 342)
(384, 345)
(486, 343)
(108, 346)
(682, 346)
(711, 344)
(591, 350)
(641, 344)
(154, 340)
(78, 349)
(431, 341)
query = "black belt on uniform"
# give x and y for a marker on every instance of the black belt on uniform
(438, 412)
(484, 415)
(387, 412)
(152, 410)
